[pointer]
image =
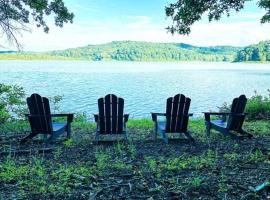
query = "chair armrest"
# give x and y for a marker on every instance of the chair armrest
(190, 114)
(69, 116)
(155, 115)
(216, 113)
(126, 116)
(208, 114)
(96, 117)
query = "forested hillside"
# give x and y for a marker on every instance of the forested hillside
(146, 51)
(134, 51)
(258, 52)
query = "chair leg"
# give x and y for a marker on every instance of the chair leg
(68, 129)
(96, 138)
(155, 135)
(165, 137)
(187, 134)
(245, 133)
(126, 136)
(53, 136)
(28, 137)
(208, 127)
(233, 136)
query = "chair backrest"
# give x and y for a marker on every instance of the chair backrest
(176, 113)
(39, 118)
(111, 114)
(238, 107)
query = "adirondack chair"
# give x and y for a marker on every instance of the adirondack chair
(40, 119)
(231, 121)
(176, 118)
(111, 119)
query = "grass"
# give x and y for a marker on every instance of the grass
(142, 168)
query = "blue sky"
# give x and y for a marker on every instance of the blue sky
(102, 21)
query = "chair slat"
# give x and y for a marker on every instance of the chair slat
(101, 109)
(120, 118)
(114, 108)
(169, 114)
(108, 114)
(174, 118)
(184, 121)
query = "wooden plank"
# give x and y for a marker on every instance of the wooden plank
(175, 107)
(47, 112)
(182, 100)
(101, 122)
(108, 110)
(169, 114)
(120, 119)
(114, 120)
(184, 121)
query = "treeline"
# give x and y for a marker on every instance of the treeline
(259, 52)
(146, 51)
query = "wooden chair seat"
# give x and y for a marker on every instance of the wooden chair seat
(161, 125)
(219, 123)
(58, 126)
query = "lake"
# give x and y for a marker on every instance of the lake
(144, 86)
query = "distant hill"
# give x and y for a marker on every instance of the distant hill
(259, 52)
(147, 51)
(134, 51)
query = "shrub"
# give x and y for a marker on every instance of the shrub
(258, 107)
(11, 102)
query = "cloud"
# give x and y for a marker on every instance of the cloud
(142, 28)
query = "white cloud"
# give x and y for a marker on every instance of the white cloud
(142, 28)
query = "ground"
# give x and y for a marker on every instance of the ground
(210, 168)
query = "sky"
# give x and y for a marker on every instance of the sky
(103, 21)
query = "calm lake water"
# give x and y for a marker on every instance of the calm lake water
(144, 86)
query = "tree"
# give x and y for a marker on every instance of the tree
(16, 14)
(184, 13)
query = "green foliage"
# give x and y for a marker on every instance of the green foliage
(15, 14)
(196, 182)
(11, 102)
(10, 172)
(55, 103)
(231, 156)
(135, 51)
(259, 52)
(258, 107)
(256, 156)
(184, 13)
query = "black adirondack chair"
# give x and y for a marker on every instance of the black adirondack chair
(231, 121)
(176, 118)
(41, 122)
(111, 119)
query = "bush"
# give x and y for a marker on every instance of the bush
(12, 102)
(258, 107)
